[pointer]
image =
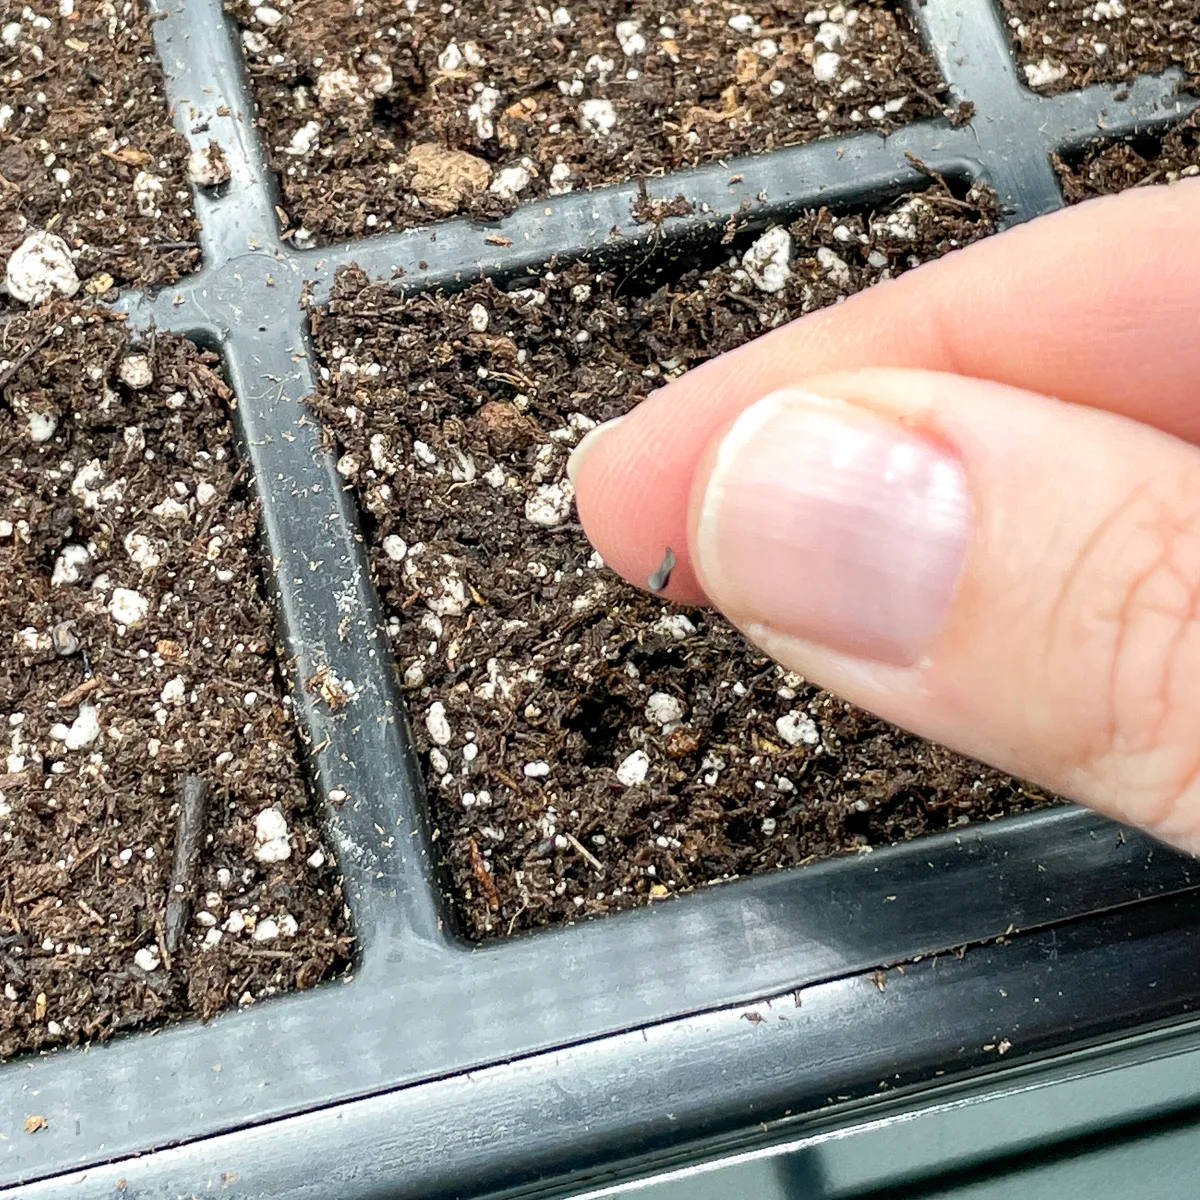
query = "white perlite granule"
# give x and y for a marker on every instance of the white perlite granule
(634, 769)
(272, 844)
(127, 607)
(135, 371)
(437, 724)
(42, 426)
(674, 625)
(664, 709)
(768, 261)
(1043, 74)
(40, 268)
(304, 139)
(826, 66)
(82, 732)
(550, 505)
(797, 729)
(630, 36)
(146, 959)
(68, 565)
(208, 167)
(598, 117)
(510, 182)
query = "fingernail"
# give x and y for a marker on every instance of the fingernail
(825, 522)
(591, 440)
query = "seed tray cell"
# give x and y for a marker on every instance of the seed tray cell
(439, 1068)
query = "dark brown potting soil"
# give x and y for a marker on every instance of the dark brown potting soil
(137, 651)
(1139, 162)
(588, 747)
(87, 150)
(1065, 44)
(383, 114)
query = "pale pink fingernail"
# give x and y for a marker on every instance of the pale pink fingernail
(825, 522)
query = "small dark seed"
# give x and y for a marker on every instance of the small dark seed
(661, 577)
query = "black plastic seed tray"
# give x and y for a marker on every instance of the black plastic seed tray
(439, 1068)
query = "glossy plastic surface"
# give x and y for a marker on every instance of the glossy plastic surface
(1110, 1122)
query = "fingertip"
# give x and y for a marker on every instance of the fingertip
(1102, 330)
(634, 516)
(591, 441)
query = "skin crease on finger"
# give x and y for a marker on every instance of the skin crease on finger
(1095, 305)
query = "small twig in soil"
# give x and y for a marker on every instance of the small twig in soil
(10, 964)
(189, 835)
(160, 935)
(8, 910)
(659, 580)
(513, 920)
(949, 198)
(83, 858)
(238, 476)
(24, 358)
(76, 694)
(483, 876)
(585, 853)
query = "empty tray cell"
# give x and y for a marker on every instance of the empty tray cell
(381, 115)
(1065, 44)
(1137, 162)
(92, 174)
(587, 746)
(138, 674)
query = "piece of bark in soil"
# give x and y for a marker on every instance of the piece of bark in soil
(87, 147)
(189, 832)
(556, 707)
(1073, 43)
(1139, 162)
(381, 115)
(121, 501)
